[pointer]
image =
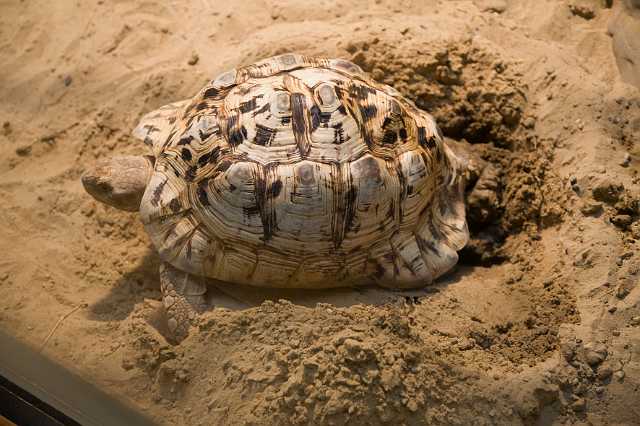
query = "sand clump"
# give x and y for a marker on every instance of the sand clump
(469, 90)
(539, 323)
(479, 97)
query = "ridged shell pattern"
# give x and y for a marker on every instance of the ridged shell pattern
(302, 172)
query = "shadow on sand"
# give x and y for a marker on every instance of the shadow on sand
(133, 287)
(143, 283)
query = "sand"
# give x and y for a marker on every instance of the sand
(540, 322)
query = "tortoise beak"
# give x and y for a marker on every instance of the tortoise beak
(119, 181)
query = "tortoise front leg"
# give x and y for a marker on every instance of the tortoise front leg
(183, 296)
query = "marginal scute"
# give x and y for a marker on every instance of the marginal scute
(348, 66)
(288, 61)
(225, 79)
(155, 127)
(443, 230)
(302, 172)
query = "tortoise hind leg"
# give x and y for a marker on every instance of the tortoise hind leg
(183, 296)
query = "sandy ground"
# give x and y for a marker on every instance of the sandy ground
(539, 324)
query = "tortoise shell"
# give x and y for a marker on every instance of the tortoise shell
(302, 172)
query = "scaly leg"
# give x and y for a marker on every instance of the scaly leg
(183, 296)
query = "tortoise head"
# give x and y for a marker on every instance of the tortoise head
(119, 181)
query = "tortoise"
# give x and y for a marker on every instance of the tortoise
(293, 172)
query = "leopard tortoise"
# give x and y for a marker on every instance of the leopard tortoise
(293, 172)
